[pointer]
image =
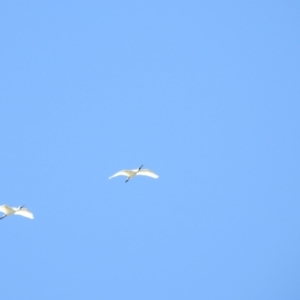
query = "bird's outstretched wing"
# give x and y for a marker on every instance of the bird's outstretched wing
(147, 172)
(122, 173)
(5, 209)
(24, 212)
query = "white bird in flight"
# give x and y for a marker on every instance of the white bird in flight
(131, 173)
(7, 210)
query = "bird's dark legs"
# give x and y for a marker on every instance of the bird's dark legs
(127, 179)
(3, 217)
(140, 167)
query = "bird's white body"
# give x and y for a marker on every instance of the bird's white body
(132, 173)
(7, 210)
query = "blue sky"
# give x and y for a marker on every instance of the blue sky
(204, 93)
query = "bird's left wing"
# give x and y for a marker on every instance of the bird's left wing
(147, 172)
(122, 173)
(5, 209)
(24, 212)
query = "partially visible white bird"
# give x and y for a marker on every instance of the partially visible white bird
(131, 173)
(7, 210)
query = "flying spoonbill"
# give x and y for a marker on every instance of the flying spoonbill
(7, 210)
(131, 173)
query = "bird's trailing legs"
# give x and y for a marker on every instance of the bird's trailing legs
(140, 167)
(127, 179)
(3, 217)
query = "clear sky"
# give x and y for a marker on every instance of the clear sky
(205, 94)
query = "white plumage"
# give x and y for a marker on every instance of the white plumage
(131, 173)
(7, 210)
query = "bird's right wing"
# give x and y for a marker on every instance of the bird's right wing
(122, 173)
(147, 172)
(24, 212)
